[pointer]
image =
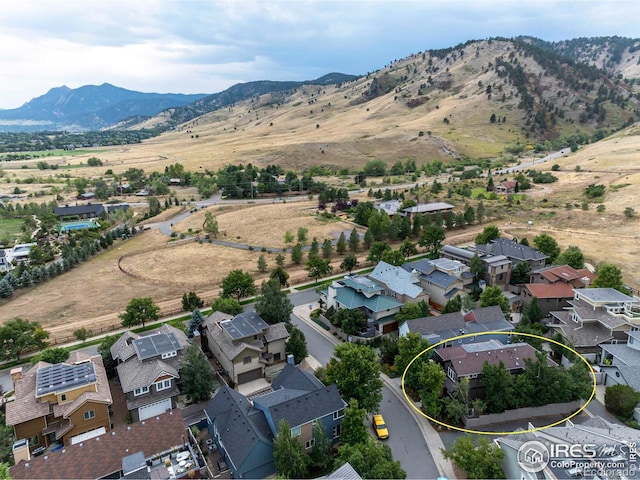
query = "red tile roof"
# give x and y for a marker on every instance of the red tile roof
(470, 363)
(103, 455)
(550, 290)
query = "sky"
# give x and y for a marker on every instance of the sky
(193, 46)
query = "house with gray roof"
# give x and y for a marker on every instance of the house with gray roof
(148, 367)
(244, 429)
(514, 251)
(89, 210)
(245, 344)
(496, 268)
(355, 291)
(398, 283)
(438, 328)
(437, 280)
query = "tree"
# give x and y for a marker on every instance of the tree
(547, 245)
(371, 460)
(238, 284)
(453, 305)
(191, 301)
(489, 233)
(273, 305)
(469, 214)
(393, 257)
(296, 253)
(138, 311)
(629, 212)
(262, 264)
(229, 306)
(6, 290)
(476, 266)
(413, 310)
(280, 260)
(82, 334)
(281, 275)
(609, 276)
(349, 262)
(317, 267)
(288, 453)
(356, 373)
(18, 336)
(288, 237)
(296, 345)
(351, 321)
(327, 248)
(478, 457)
(431, 239)
(51, 355)
(520, 273)
(493, 296)
(532, 313)
(210, 225)
(409, 348)
(498, 386)
(314, 248)
(354, 429)
(6, 447)
(154, 206)
(302, 234)
(354, 241)
(195, 322)
(621, 400)
(376, 251)
(104, 349)
(480, 212)
(320, 455)
(341, 245)
(431, 379)
(408, 248)
(198, 378)
(572, 256)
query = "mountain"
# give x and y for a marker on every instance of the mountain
(87, 108)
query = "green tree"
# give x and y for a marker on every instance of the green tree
(238, 284)
(413, 310)
(288, 453)
(230, 306)
(262, 264)
(296, 345)
(288, 237)
(138, 311)
(572, 256)
(154, 206)
(621, 400)
(354, 428)
(520, 273)
(280, 260)
(431, 379)
(431, 239)
(104, 349)
(371, 460)
(351, 321)
(341, 245)
(408, 248)
(349, 262)
(296, 254)
(532, 313)
(273, 305)
(453, 305)
(480, 212)
(281, 275)
(498, 386)
(210, 225)
(354, 241)
(376, 251)
(6, 446)
(609, 276)
(490, 232)
(18, 336)
(629, 212)
(476, 266)
(191, 301)
(51, 355)
(198, 378)
(6, 290)
(393, 257)
(355, 371)
(477, 457)
(469, 214)
(317, 267)
(547, 245)
(81, 334)
(320, 456)
(493, 296)
(409, 347)
(327, 248)
(302, 234)
(314, 248)
(195, 322)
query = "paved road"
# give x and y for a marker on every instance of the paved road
(547, 158)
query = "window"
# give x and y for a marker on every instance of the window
(451, 374)
(246, 360)
(63, 397)
(88, 415)
(338, 414)
(337, 431)
(309, 443)
(296, 431)
(170, 354)
(140, 391)
(163, 385)
(276, 357)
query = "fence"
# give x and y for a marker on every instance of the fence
(523, 413)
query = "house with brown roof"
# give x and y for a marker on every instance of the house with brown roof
(245, 344)
(507, 187)
(148, 369)
(60, 404)
(553, 286)
(468, 361)
(139, 450)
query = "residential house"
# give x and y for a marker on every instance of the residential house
(86, 196)
(514, 251)
(507, 187)
(596, 316)
(439, 279)
(553, 286)
(621, 361)
(355, 291)
(438, 328)
(496, 269)
(467, 360)
(543, 453)
(9, 257)
(398, 283)
(244, 429)
(110, 455)
(111, 208)
(60, 404)
(89, 210)
(345, 472)
(245, 344)
(390, 207)
(148, 369)
(394, 207)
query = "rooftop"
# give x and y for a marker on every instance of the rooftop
(244, 325)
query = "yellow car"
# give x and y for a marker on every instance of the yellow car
(380, 427)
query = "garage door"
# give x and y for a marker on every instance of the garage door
(154, 409)
(249, 376)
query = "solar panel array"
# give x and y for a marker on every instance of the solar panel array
(154, 345)
(63, 377)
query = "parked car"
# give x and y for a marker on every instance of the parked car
(380, 427)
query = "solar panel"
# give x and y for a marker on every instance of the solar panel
(157, 344)
(63, 377)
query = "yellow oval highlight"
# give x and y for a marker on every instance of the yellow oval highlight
(482, 432)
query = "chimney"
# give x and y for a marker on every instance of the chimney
(16, 374)
(586, 281)
(290, 359)
(20, 451)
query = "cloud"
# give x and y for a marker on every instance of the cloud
(206, 46)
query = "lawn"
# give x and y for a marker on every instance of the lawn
(10, 228)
